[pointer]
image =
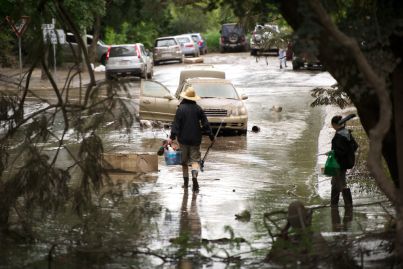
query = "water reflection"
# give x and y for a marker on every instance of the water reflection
(337, 224)
(189, 228)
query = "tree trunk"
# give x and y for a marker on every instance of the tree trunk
(43, 73)
(92, 51)
(397, 94)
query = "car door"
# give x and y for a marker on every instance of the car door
(156, 102)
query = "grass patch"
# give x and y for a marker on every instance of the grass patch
(360, 176)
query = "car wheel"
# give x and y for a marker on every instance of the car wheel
(156, 63)
(143, 74)
(150, 75)
(108, 76)
(103, 59)
(296, 65)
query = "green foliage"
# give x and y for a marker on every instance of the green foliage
(113, 37)
(187, 19)
(84, 12)
(41, 184)
(213, 40)
(144, 32)
(7, 59)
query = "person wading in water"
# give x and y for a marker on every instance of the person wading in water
(189, 124)
(344, 147)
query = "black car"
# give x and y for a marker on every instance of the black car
(232, 38)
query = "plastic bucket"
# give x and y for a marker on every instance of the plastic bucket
(173, 157)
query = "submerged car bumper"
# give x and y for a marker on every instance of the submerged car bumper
(136, 71)
(168, 57)
(229, 123)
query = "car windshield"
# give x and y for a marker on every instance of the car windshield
(165, 42)
(183, 40)
(215, 90)
(195, 38)
(122, 51)
(232, 28)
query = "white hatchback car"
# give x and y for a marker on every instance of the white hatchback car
(188, 45)
(128, 59)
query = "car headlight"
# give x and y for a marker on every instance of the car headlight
(237, 111)
(234, 111)
(242, 111)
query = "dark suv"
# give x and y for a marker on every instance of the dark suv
(232, 38)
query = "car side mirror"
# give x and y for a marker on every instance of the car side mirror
(169, 97)
(220, 32)
(244, 97)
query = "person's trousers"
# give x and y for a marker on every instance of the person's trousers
(338, 185)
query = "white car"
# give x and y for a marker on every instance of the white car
(188, 45)
(128, 59)
(219, 99)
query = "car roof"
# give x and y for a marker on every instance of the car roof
(203, 72)
(185, 35)
(208, 80)
(165, 37)
(192, 73)
(124, 45)
(199, 66)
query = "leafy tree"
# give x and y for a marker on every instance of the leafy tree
(30, 179)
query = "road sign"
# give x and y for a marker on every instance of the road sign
(54, 36)
(48, 26)
(19, 27)
(61, 36)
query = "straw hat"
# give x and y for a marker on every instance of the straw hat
(190, 94)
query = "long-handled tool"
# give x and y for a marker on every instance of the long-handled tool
(346, 118)
(208, 149)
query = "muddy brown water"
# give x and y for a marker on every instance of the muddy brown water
(260, 172)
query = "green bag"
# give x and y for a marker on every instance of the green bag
(332, 167)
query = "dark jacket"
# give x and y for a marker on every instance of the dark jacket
(344, 147)
(189, 123)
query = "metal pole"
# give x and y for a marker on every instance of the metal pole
(20, 54)
(54, 47)
(54, 59)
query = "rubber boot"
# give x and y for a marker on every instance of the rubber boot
(348, 199)
(185, 182)
(194, 180)
(334, 211)
(334, 197)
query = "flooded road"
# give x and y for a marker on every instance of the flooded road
(260, 172)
